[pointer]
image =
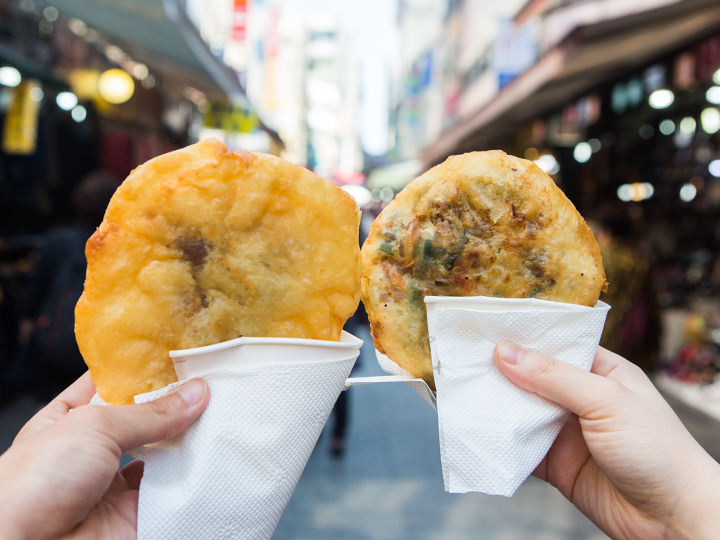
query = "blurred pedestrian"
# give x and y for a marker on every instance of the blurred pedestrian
(339, 418)
(49, 358)
(355, 325)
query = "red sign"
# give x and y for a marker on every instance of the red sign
(239, 26)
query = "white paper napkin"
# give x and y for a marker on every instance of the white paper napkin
(233, 472)
(493, 434)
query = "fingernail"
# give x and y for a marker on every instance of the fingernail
(509, 352)
(192, 391)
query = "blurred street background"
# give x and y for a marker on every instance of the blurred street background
(618, 101)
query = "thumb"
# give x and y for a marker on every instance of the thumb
(130, 426)
(572, 388)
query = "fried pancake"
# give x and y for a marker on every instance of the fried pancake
(479, 224)
(203, 245)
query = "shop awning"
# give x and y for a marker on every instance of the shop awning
(586, 58)
(28, 66)
(160, 34)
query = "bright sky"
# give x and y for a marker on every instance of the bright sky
(373, 24)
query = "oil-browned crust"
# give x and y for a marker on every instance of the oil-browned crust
(479, 224)
(203, 245)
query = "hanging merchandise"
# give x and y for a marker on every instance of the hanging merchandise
(230, 118)
(708, 58)
(21, 121)
(684, 70)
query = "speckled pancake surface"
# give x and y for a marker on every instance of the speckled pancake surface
(479, 224)
(203, 245)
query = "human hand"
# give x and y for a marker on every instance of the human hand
(60, 477)
(625, 459)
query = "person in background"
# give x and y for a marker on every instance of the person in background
(49, 359)
(355, 326)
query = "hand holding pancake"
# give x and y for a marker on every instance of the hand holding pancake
(625, 460)
(60, 476)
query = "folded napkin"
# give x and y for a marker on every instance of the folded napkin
(492, 433)
(231, 474)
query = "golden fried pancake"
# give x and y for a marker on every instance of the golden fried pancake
(203, 245)
(479, 224)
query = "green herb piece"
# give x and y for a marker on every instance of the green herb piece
(421, 269)
(416, 250)
(427, 249)
(431, 252)
(386, 247)
(415, 296)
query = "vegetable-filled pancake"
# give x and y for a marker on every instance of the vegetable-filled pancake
(203, 245)
(479, 224)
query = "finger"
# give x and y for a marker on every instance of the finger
(133, 473)
(78, 393)
(615, 367)
(567, 457)
(566, 385)
(130, 426)
(605, 362)
(541, 470)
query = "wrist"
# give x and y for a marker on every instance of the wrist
(12, 516)
(696, 515)
(11, 528)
